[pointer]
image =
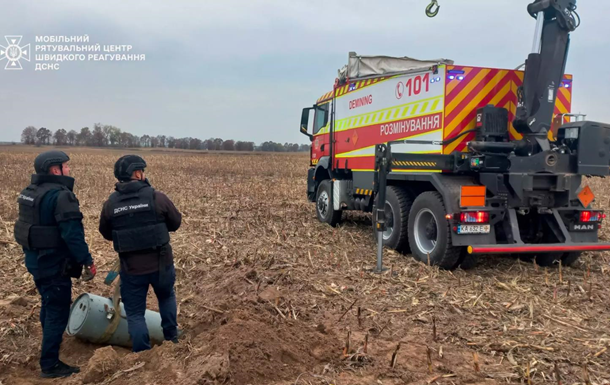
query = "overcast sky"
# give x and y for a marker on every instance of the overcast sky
(243, 69)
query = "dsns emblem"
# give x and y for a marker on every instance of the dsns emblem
(14, 52)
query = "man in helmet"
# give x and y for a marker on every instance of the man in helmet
(50, 230)
(138, 219)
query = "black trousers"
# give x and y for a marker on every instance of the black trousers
(134, 289)
(56, 295)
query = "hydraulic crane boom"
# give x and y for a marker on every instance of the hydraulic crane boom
(544, 69)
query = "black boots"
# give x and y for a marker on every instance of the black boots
(59, 370)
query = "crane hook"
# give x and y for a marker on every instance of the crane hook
(429, 9)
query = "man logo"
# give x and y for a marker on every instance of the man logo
(14, 52)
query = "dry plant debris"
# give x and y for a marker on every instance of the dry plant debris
(267, 295)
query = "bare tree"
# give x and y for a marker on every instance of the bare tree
(28, 135)
(162, 141)
(43, 136)
(244, 146)
(61, 137)
(195, 144)
(218, 144)
(84, 137)
(171, 142)
(113, 134)
(98, 136)
(71, 137)
(228, 145)
(125, 139)
(145, 141)
(104, 135)
(183, 143)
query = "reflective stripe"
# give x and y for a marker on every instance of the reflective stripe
(493, 249)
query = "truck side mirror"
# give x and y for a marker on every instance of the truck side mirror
(305, 122)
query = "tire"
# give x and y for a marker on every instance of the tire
(324, 205)
(569, 259)
(528, 257)
(398, 205)
(552, 259)
(430, 233)
(467, 261)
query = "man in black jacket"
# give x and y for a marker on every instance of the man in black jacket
(50, 230)
(138, 219)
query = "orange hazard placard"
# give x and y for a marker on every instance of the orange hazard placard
(586, 196)
(473, 196)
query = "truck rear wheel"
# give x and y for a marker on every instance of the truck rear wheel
(467, 261)
(397, 207)
(324, 205)
(430, 232)
(569, 259)
(550, 259)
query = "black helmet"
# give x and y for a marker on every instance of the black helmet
(44, 161)
(126, 165)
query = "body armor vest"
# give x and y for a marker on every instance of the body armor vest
(134, 220)
(29, 232)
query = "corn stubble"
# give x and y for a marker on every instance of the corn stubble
(285, 297)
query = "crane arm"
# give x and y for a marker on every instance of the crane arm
(545, 68)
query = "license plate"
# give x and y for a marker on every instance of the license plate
(473, 229)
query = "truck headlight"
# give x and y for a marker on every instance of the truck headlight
(571, 133)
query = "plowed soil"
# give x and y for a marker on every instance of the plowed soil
(268, 295)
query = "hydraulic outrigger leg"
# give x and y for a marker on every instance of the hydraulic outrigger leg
(382, 168)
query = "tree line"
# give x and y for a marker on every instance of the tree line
(111, 136)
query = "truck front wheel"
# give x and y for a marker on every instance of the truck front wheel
(324, 205)
(430, 232)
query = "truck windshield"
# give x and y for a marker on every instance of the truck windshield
(321, 118)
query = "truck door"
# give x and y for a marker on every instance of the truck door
(320, 145)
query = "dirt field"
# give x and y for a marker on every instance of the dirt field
(267, 295)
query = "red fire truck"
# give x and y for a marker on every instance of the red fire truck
(479, 160)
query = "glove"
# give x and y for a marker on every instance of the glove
(71, 269)
(89, 272)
